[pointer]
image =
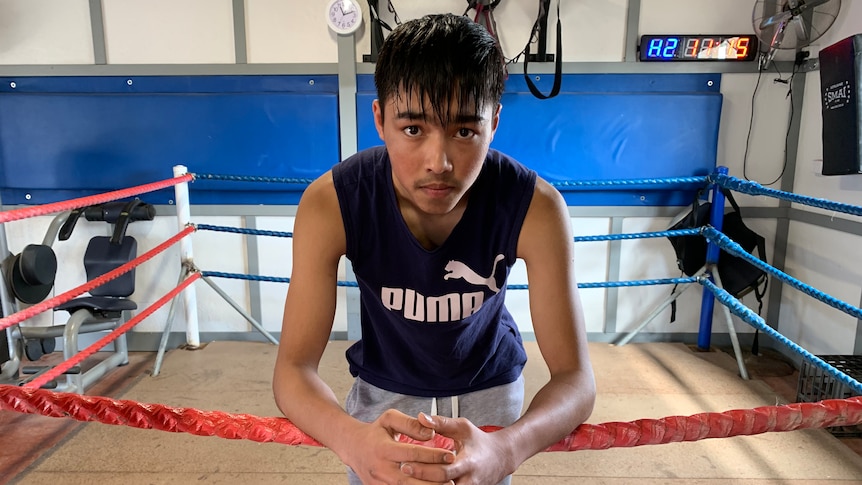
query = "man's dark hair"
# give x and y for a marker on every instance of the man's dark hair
(441, 57)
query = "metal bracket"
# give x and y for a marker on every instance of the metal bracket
(810, 65)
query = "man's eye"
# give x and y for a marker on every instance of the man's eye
(465, 133)
(412, 130)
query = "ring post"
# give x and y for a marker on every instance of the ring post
(716, 220)
(186, 257)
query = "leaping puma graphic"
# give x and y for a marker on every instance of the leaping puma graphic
(457, 269)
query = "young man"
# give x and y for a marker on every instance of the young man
(432, 223)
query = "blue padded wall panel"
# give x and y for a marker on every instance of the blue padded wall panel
(605, 127)
(68, 137)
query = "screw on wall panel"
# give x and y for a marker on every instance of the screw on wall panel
(643, 198)
(311, 82)
(709, 83)
(538, 77)
(28, 196)
(13, 85)
(129, 82)
(170, 202)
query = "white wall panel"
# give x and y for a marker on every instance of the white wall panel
(290, 32)
(826, 260)
(590, 266)
(213, 251)
(696, 17)
(169, 31)
(275, 260)
(766, 153)
(45, 32)
(593, 30)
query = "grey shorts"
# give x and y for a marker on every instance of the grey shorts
(497, 406)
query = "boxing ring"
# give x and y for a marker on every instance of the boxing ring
(29, 397)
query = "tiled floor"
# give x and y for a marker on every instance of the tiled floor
(635, 381)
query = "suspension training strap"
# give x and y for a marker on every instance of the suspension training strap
(558, 61)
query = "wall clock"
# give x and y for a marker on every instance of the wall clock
(343, 16)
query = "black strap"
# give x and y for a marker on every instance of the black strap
(729, 196)
(69, 226)
(558, 61)
(123, 221)
(759, 293)
(673, 304)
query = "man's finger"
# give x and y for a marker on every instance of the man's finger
(399, 423)
(407, 453)
(449, 427)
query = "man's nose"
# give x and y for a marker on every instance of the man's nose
(437, 158)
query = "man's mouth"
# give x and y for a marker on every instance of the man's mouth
(436, 189)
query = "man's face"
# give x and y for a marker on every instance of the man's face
(434, 165)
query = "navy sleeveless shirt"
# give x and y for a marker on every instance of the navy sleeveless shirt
(434, 323)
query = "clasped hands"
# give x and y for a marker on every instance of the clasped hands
(379, 456)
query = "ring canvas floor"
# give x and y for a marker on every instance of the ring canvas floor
(643, 380)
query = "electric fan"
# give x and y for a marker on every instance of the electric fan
(791, 24)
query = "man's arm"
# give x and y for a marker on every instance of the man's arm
(546, 246)
(300, 393)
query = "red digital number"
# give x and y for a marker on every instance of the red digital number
(708, 44)
(691, 48)
(742, 47)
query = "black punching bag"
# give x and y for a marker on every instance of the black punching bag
(841, 90)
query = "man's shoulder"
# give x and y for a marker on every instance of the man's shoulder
(372, 154)
(361, 164)
(506, 167)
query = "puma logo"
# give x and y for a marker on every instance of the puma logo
(457, 269)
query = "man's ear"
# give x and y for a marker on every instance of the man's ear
(495, 120)
(378, 117)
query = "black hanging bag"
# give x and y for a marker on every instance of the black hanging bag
(738, 276)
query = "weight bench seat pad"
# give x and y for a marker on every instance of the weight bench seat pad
(103, 304)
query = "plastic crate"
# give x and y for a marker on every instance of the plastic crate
(816, 385)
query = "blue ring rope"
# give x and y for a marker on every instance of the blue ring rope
(603, 284)
(272, 279)
(238, 230)
(605, 237)
(743, 312)
(631, 182)
(623, 284)
(641, 235)
(249, 178)
(735, 249)
(753, 188)
(569, 184)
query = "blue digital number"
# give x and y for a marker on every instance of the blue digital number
(669, 50)
(655, 48)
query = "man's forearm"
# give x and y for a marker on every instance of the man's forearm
(311, 405)
(558, 408)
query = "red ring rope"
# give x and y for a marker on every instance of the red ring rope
(790, 417)
(58, 370)
(38, 308)
(31, 400)
(65, 205)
